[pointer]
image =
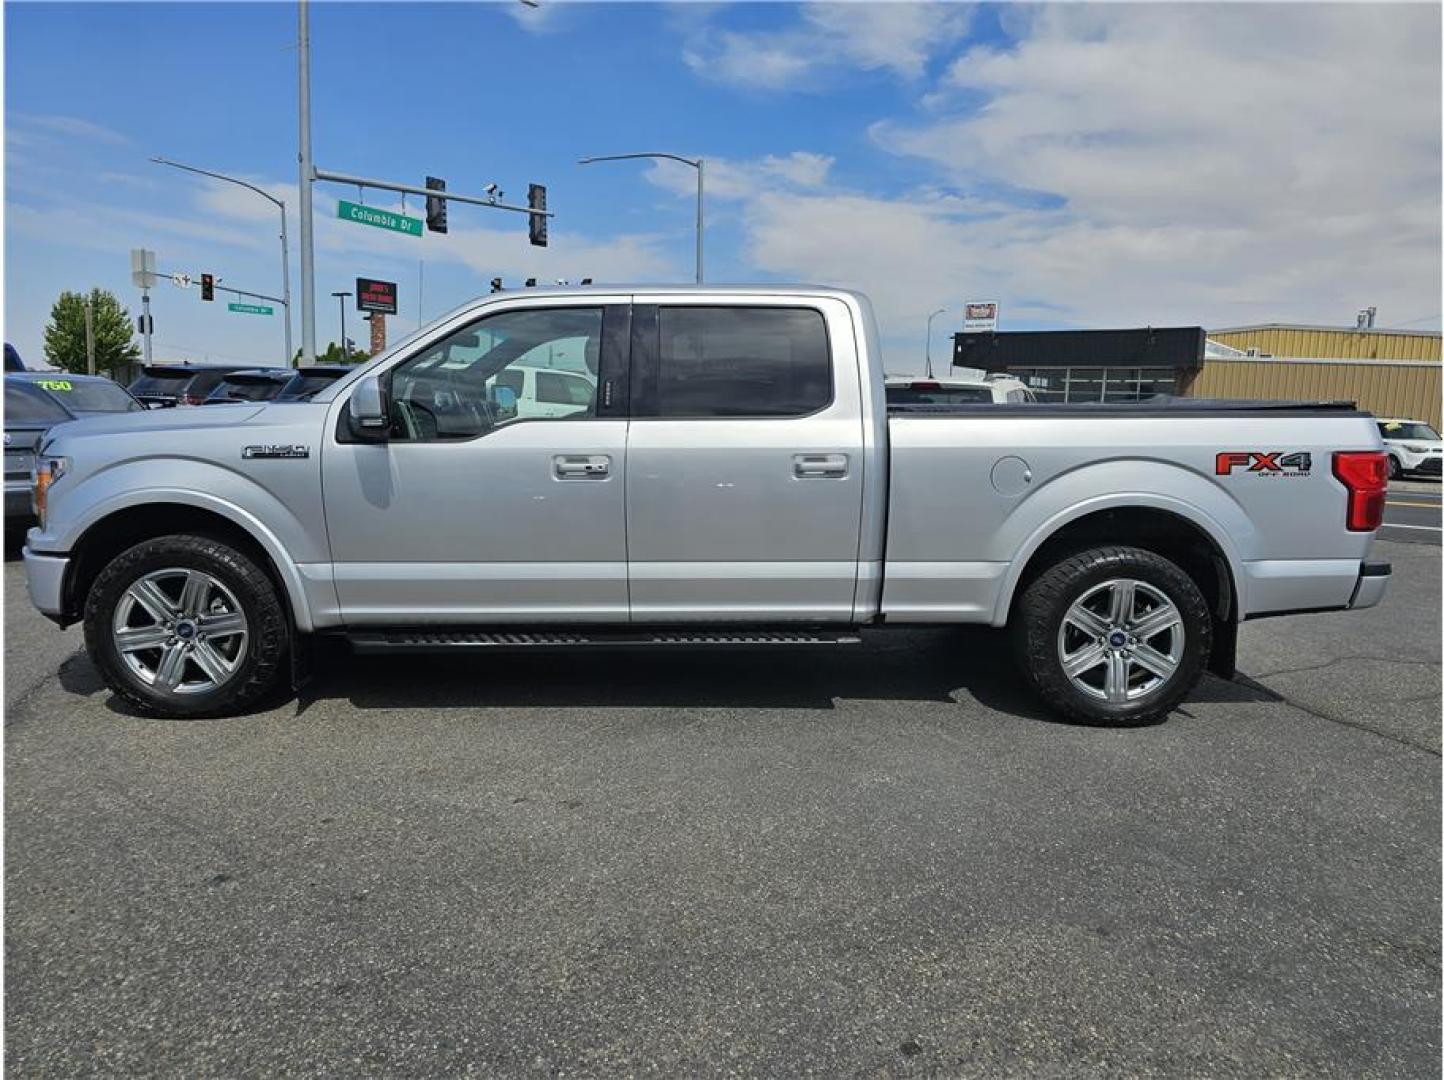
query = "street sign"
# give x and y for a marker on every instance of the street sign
(980, 316)
(372, 295)
(381, 219)
(251, 309)
(142, 268)
(181, 280)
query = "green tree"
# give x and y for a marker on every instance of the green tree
(333, 355)
(65, 334)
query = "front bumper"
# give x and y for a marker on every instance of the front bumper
(1372, 583)
(45, 580)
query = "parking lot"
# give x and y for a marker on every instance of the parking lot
(882, 859)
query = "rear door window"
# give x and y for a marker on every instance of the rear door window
(741, 361)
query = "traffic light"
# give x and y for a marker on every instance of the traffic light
(536, 199)
(496, 284)
(435, 208)
(208, 287)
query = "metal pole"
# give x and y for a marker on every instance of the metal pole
(145, 312)
(89, 336)
(345, 349)
(307, 174)
(700, 164)
(286, 287)
(929, 350)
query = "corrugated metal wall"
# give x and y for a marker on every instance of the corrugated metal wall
(1304, 341)
(1400, 389)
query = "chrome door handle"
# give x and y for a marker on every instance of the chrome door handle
(808, 466)
(582, 467)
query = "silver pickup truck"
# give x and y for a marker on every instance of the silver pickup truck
(669, 466)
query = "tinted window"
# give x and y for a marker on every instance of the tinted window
(247, 389)
(737, 361)
(85, 396)
(474, 380)
(562, 389)
(165, 383)
(27, 403)
(941, 395)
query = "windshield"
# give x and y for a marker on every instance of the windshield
(939, 395)
(82, 395)
(1407, 429)
(28, 404)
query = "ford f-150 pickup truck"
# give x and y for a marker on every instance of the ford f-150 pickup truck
(714, 466)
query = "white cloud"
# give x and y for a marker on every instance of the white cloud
(727, 179)
(71, 126)
(1213, 164)
(894, 37)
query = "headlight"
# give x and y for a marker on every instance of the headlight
(1417, 449)
(48, 469)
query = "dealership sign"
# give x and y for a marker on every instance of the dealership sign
(372, 295)
(980, 316)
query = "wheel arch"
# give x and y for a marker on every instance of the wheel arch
(119, 528)
(1164, 526)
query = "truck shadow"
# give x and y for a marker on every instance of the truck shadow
(946, 665)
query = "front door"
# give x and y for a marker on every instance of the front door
(744, 470)
(491, 501)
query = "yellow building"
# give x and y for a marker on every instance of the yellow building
(1388, 372)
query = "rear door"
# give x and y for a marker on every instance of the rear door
(744, 470)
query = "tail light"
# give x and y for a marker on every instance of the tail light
(1365, 473)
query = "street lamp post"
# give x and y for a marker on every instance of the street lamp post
(931, 317)
(345, 349)
(285, 250)
(697, 163)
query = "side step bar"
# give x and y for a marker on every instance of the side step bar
(443, 640)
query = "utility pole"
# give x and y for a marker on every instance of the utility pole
(307, 175)
(145, 314)
(90, 335)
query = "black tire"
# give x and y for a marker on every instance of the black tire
(1396, 471)
(1040, 610)
(259, 668)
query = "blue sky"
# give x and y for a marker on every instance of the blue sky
(1085, 165)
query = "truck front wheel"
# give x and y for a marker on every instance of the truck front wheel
(1112, 635)
(186, 626)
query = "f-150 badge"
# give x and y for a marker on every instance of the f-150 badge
(275, 451)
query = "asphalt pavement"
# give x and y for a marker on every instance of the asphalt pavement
(874, 860)
(1412, 512)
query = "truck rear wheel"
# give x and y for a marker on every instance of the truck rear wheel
(1112, 635)
(186, 626)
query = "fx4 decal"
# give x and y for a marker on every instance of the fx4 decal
(1273, 463)
(275, 451)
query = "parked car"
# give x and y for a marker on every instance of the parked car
(306, 382)
(12, 359)
(35, 401)
(735, 478)
(166, 385)
(1413, 447)
(249, 384)
(999, 389)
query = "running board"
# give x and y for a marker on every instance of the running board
(436, 640)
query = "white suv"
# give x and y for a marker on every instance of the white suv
(1413, 447)
(917, 390)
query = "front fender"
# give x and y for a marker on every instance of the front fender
(1119, 484)
(271, 522)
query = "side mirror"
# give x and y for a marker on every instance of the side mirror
(368, 407)
(505, 403)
